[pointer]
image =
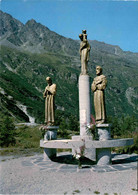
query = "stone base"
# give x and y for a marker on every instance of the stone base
(103, 132)
(103, 156)
(50, 134)
(89, 153)
(83, 138)
(99, 150)
(49, 153)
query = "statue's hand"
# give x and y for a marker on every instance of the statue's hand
(98, 82)
(47, 88)
(44, 95)
(93, 87)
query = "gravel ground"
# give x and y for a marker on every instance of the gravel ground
(32, 175)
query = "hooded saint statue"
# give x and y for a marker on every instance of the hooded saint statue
(49, 94)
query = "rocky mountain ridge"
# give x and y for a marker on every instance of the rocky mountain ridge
(32, 34)
(27, 37)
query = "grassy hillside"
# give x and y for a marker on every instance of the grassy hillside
(23, 78)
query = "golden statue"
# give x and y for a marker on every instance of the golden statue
(98, 86)
(84, 52)
(49, 94)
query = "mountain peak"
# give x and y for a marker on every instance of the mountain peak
(9, 24)
(31, 22)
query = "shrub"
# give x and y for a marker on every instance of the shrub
(125, 127)
(7, 131)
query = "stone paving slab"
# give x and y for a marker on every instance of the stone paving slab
(67, 164)
(27, 163)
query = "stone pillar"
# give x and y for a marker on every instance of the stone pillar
(103, 155)
(84, 104)
(50, 134)
(85, 116)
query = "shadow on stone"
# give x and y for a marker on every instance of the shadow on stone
(126, 159)
(86, 167)
(69, 159)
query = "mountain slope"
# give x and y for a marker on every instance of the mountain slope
(31, 52)
(34, 37)
(23, 77)
(8, 24)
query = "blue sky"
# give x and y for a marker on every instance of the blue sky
(113, 22)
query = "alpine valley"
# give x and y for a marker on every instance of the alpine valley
(30, 52)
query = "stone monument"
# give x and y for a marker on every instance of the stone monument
(102, 130)
(49, 128)
(49, 94)
(98, 86)
(84, 52)
(84, 89)
(98, 150)
(84, 95)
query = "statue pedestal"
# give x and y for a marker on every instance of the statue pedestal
(103, 132)
(89, 153)
(103, 155)
(50, 134)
